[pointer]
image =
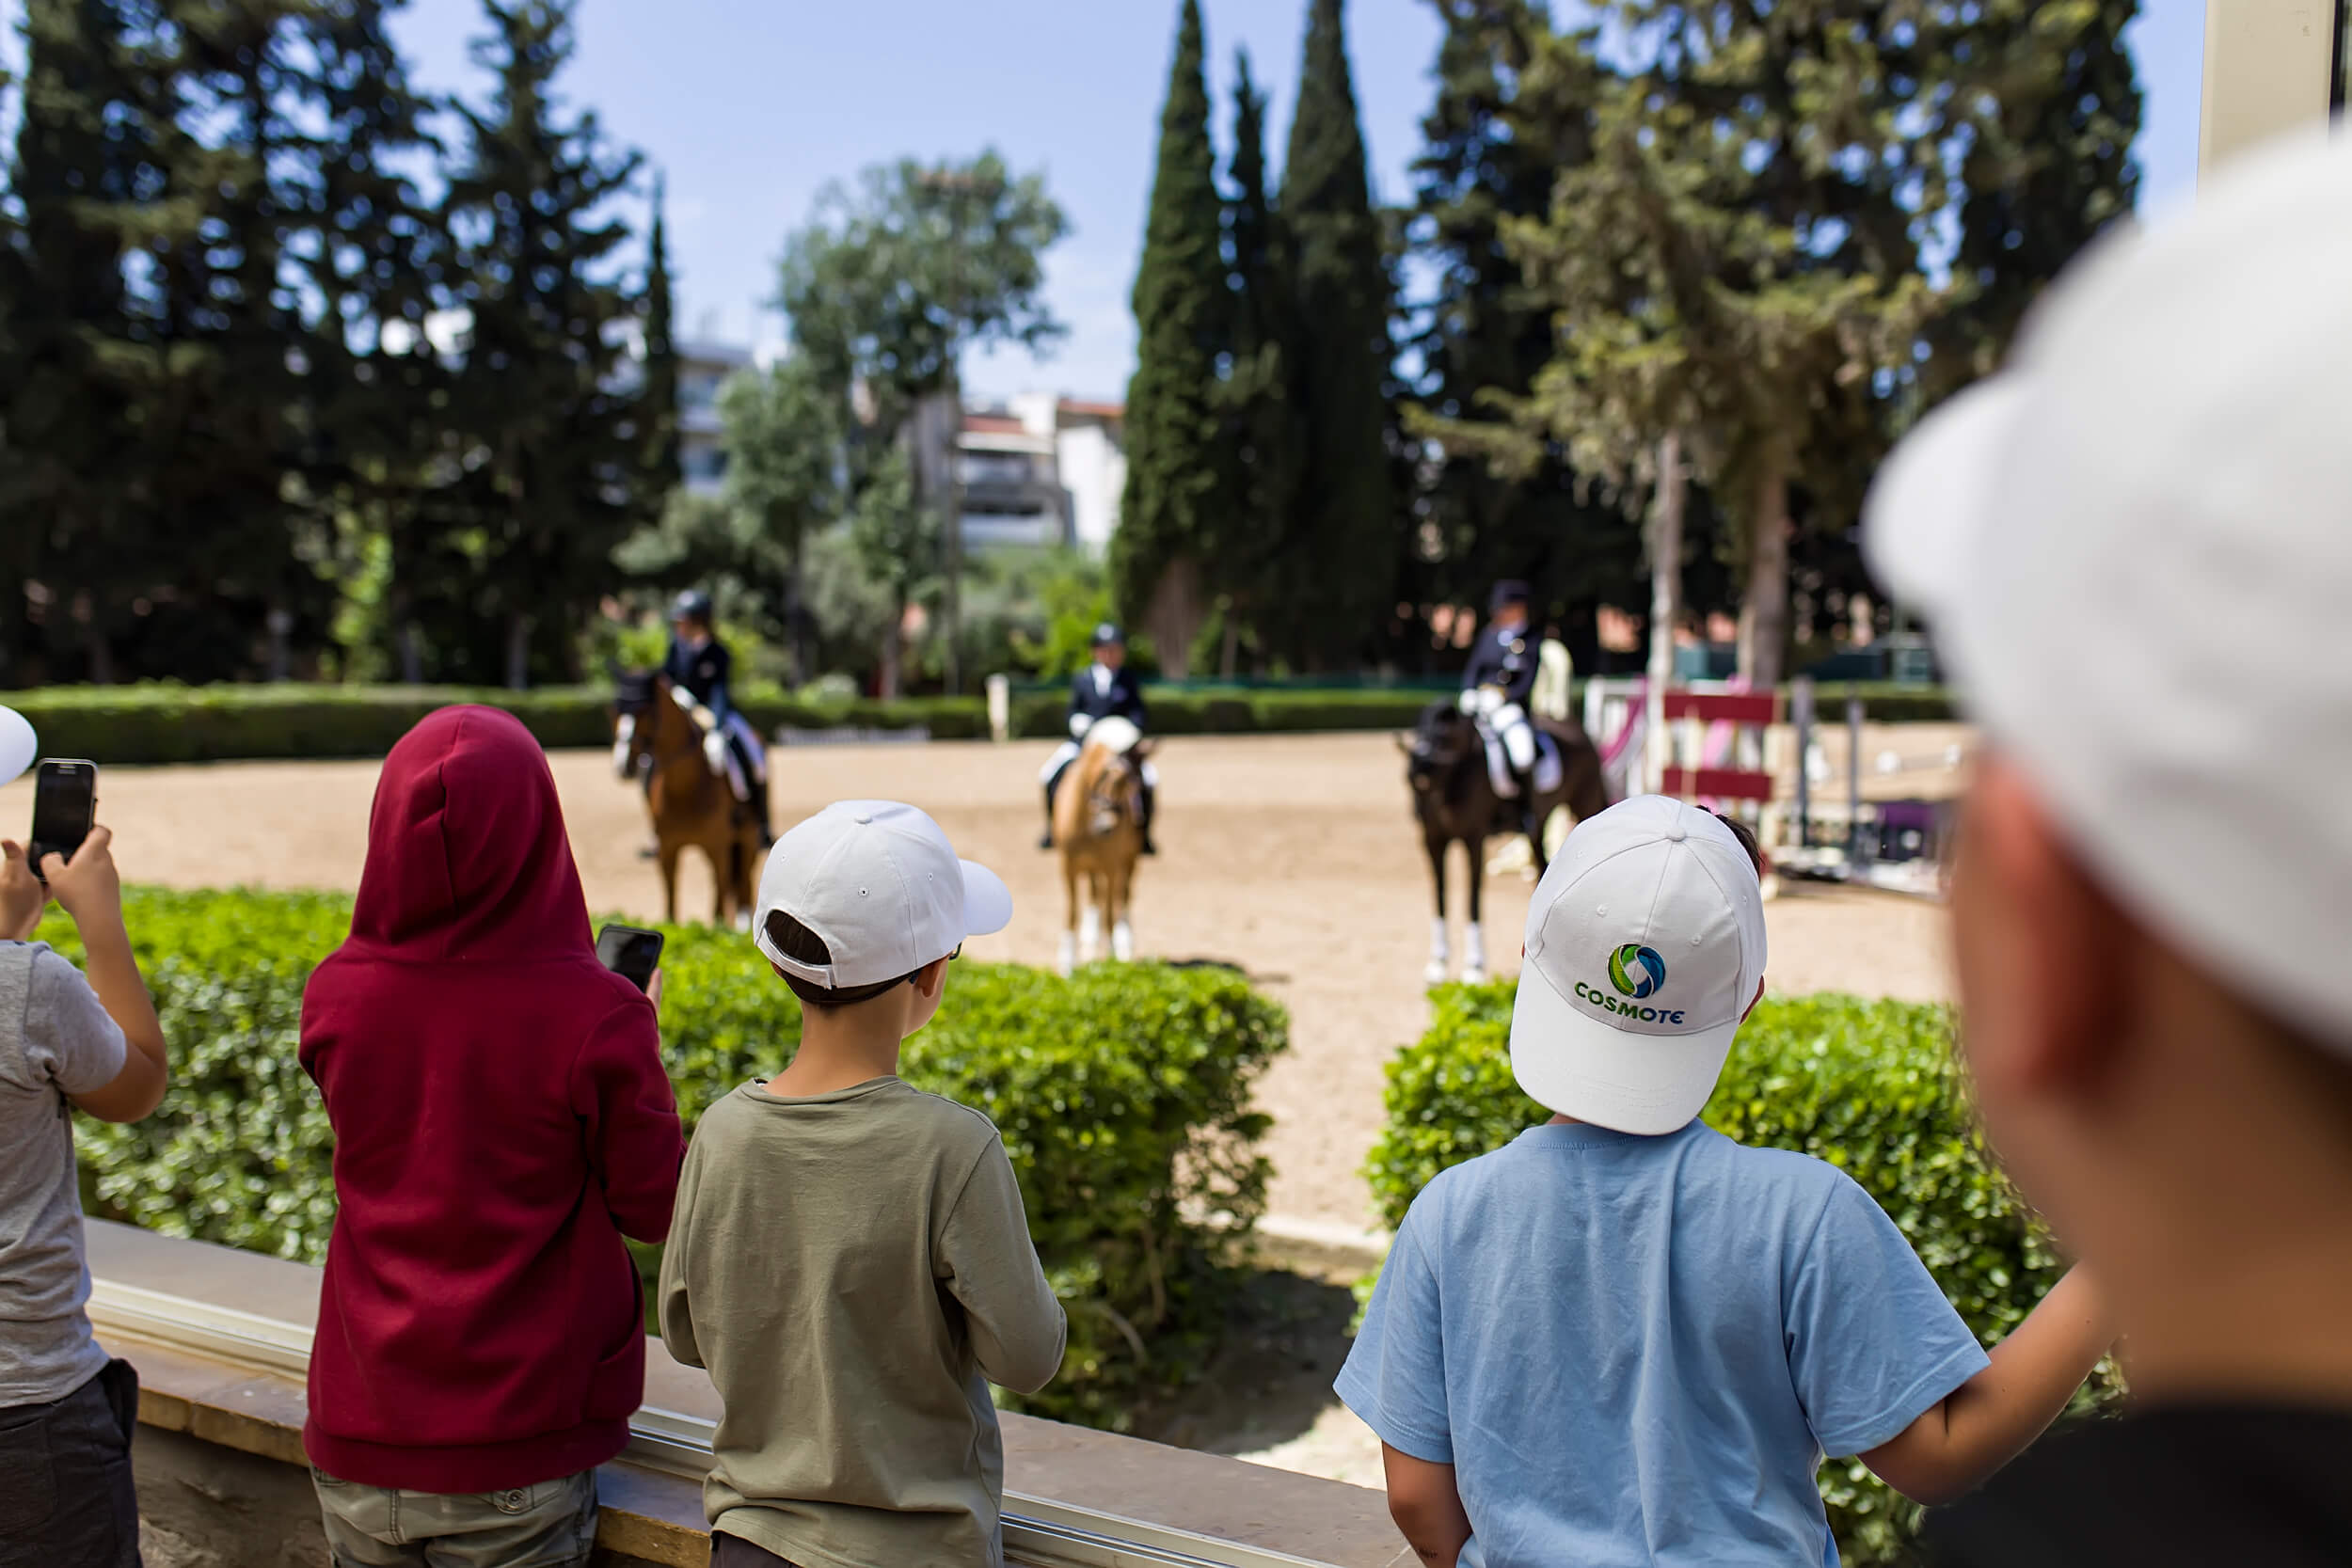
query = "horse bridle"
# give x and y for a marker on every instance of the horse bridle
(636, 701)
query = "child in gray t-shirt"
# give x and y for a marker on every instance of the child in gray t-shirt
(66, 1041)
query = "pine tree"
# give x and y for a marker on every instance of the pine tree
(556, 487)
(1492, 154)
(1261, 439)
(2048, 168)
(378, 445)
(67, 488)
(1341, 554)
(1174, 502)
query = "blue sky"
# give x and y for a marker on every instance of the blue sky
(751, 107)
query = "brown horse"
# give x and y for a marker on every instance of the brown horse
(1454, 799)
(1097, 817)
(691, 805)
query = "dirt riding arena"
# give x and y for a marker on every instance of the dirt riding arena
(1294, 857)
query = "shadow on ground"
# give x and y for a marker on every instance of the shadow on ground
(1285, 1338)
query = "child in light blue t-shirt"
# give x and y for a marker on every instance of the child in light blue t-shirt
(1626, 1339)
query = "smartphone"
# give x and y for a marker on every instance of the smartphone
(630, 952)
(64, 804)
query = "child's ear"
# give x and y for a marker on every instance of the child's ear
(932, 977)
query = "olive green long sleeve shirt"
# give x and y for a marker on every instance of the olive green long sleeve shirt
(854, 1269)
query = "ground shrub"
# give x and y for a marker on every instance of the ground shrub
(1873, 1087)
(1122, 1093)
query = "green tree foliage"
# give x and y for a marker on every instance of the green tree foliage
(1176, 499)
(658, 418)
(887, 287)
(783, 439)
(1338, 561)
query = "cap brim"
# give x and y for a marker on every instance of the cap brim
(987, 902)
(1932, 493)
(19, 745)
(1570, 1062)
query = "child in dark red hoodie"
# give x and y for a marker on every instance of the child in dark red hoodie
(501, 1120)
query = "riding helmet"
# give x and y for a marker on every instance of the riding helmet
(1106, 633)
(692, 605)
(1509, 591)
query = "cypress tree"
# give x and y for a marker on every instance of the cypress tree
(1174, 500)
(556, 487)
(1262, 441)
(657, 415)
(1341, 555)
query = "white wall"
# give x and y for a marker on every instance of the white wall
(1094, 471)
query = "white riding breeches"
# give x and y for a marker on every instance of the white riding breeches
(728, 761)
(1518, 737)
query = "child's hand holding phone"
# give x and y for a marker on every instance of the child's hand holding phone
(20, 894)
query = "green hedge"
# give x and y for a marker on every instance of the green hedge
(1873, 1087)
(159, 722)
(1122, 1093)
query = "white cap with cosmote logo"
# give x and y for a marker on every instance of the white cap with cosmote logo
(881, 887)
(1645, 949)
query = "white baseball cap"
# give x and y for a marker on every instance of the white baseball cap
(880, 886)
(1644, 949)
(2133, 547)
(18, 744)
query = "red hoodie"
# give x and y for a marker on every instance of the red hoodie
(501, 1119)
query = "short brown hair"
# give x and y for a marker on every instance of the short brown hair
(1746, 836)
(801, 945)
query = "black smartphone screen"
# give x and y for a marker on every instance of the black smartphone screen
(629, 952)
(65, 802)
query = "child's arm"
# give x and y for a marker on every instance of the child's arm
(88, 889)
(1426, 1507)
(670, 1294)
(991, 1267)
(1988, 1420)
(622, 1095)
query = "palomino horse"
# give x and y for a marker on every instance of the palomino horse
(1097, 812)
(691, 805)
(1454, 799)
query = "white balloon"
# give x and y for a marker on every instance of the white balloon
(19, 745)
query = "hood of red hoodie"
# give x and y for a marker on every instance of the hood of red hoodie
(467, 860)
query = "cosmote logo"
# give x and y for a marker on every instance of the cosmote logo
(1636, 971)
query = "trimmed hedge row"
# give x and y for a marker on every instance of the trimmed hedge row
(1873, 1087)
(1123, 1095)
(161, 722)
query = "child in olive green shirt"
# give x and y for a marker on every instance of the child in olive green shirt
(849, 1258)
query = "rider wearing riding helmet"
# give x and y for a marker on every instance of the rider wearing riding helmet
(1102, 689)
(1500, 678)
(700, 665)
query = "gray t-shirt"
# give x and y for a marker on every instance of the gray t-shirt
(56, 1039)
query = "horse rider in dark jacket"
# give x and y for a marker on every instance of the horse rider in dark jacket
(700, 665)
(1499, 680)
(1101, 690)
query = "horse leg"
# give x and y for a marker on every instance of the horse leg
(1436, 972)
(1068, 959)
(1121, 881)
(1090, 921)
(669, 854)
(1474, 933)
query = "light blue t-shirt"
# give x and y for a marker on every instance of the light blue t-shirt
(1636, 1350)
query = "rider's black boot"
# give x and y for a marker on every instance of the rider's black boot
(1144, 825)
(1047, 842)
(767, 821)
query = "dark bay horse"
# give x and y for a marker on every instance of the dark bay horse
(691, 805)
(1454, 800)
